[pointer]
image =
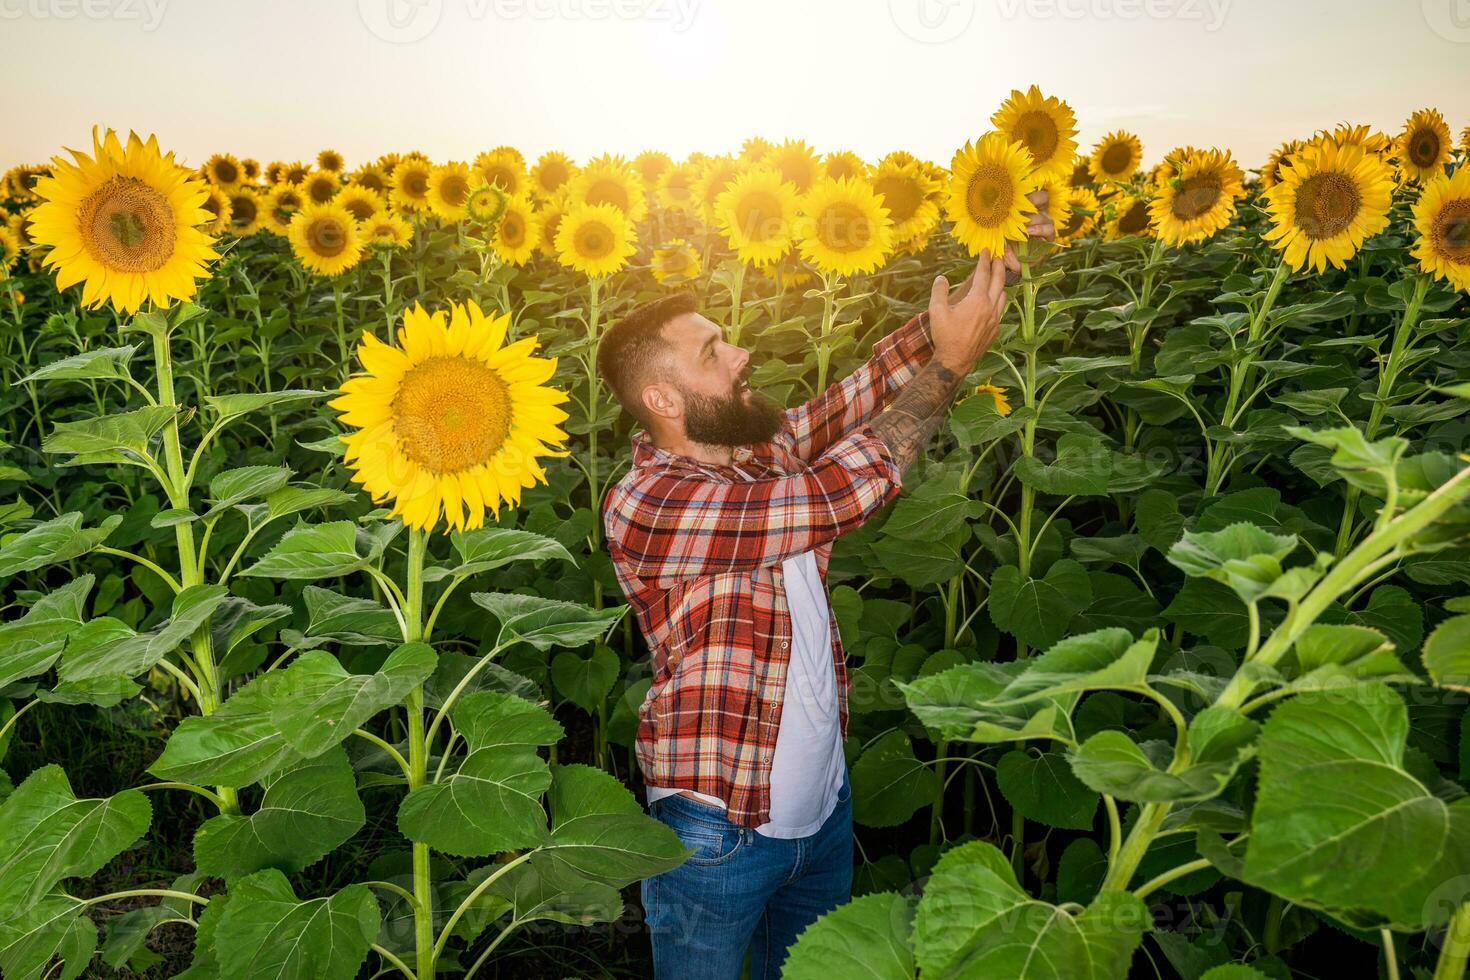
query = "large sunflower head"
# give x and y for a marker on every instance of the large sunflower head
(1200, 200)
(844, 164)
(844, 227)
(361, 202)
(321, 186)
(1132, 215)
(124, 223)
(386, 230)
(676, 263)
(1044, 125)
(911, 197)
(218, 206)
(551, 173)
(797, 163)
(676, 188)
(1329, 201)
(650, 165)
(1442, 218)
(987, 193)
(1424, 146)
(503, 167)
(449, 191)
(330, 159)
(1116, 156)
(517, 233)
(715, 175)
(608, 180)
(595, 239)
(325, 237)
(245, 212)
(411, 186)
(755, 214)
(451, 420)
(1082, 212)
(281, 204)
(224, 170)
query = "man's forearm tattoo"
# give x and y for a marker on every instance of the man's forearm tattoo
(915, 413)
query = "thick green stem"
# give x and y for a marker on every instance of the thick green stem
(824, 340)
(736, 287)
(1456, 950)
(594, 491)
(418, 757)
(936, 809)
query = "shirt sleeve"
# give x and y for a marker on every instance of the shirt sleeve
(664, 528)
(815, 426)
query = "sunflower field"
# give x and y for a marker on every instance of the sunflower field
(313, 663)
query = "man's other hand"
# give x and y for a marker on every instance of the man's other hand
(964, 328)
(1039, 227)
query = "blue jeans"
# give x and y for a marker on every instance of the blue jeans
(742, 890)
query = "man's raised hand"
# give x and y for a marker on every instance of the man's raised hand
(965, 328)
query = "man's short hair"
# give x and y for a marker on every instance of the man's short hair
(631, 353)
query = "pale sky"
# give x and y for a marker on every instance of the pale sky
(283, 78)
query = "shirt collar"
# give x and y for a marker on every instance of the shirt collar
(645, 453)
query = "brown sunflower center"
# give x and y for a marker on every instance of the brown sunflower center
(128, 225)
(675, 261)
(416, 183)
(901, 197)
(1326, 204)
(361, 208)
(797, 170)
(552, 175)
(326, 236)
(371, 179)
(1039, 132)
(1117, 158)
(1424, 148)
(758, 215)
(1135, 219)
(844, 227)
(990, 195)
(451, 414)
(321, 189)
(454, 190)
(1196, 197)
(330, 161)
(1075, 224)
(1450, 232)
(212, 204)
(226, 172)
(593, 240)
(608, 192)
(513, 231)
(242, 211)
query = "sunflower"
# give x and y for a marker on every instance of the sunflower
(755, 215)
(321, 186)
(19, 225)
(551, 173)
(987, 193)
(898, 158)
(1131, 216)
(1424, 146)
(452, 419)
(608, 180)
(797, 163)
(910, 195)
(10, 249)
(517, 233)
(485, 205)
(997, 395)
(1271, 172)
(1081, 173)
(1465, 139)
(755, 149)
(1058, 202)
(844, 227)
(388, 230)
(1442, 216)
(330, 160)
(1044, 125)
(503, 167)
(20, 182)
(224, 170)
(218, 206)
(295, 173)
(411, 185)
(1082, 211)
(449, 190)
(1116, 156)
(675, 263)
(274, 171)
(844, 163)
(595, 239)
(1200, 200)
(549, 218)
(1330, 200)
(245, 212)
(124, 223)
(676, 188)
(371, 176)
(715, 175)
(325, 238)
(650, 165)
(361, 202)
(250, 167)
(280, 205)
(1366, 136)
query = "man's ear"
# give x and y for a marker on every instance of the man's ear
(662, 400)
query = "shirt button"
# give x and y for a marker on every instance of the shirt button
(784, 645)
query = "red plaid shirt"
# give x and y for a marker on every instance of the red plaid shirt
(698, 551)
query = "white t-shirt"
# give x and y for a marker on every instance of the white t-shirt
(806, 770)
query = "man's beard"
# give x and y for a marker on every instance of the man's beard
(731, 420)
